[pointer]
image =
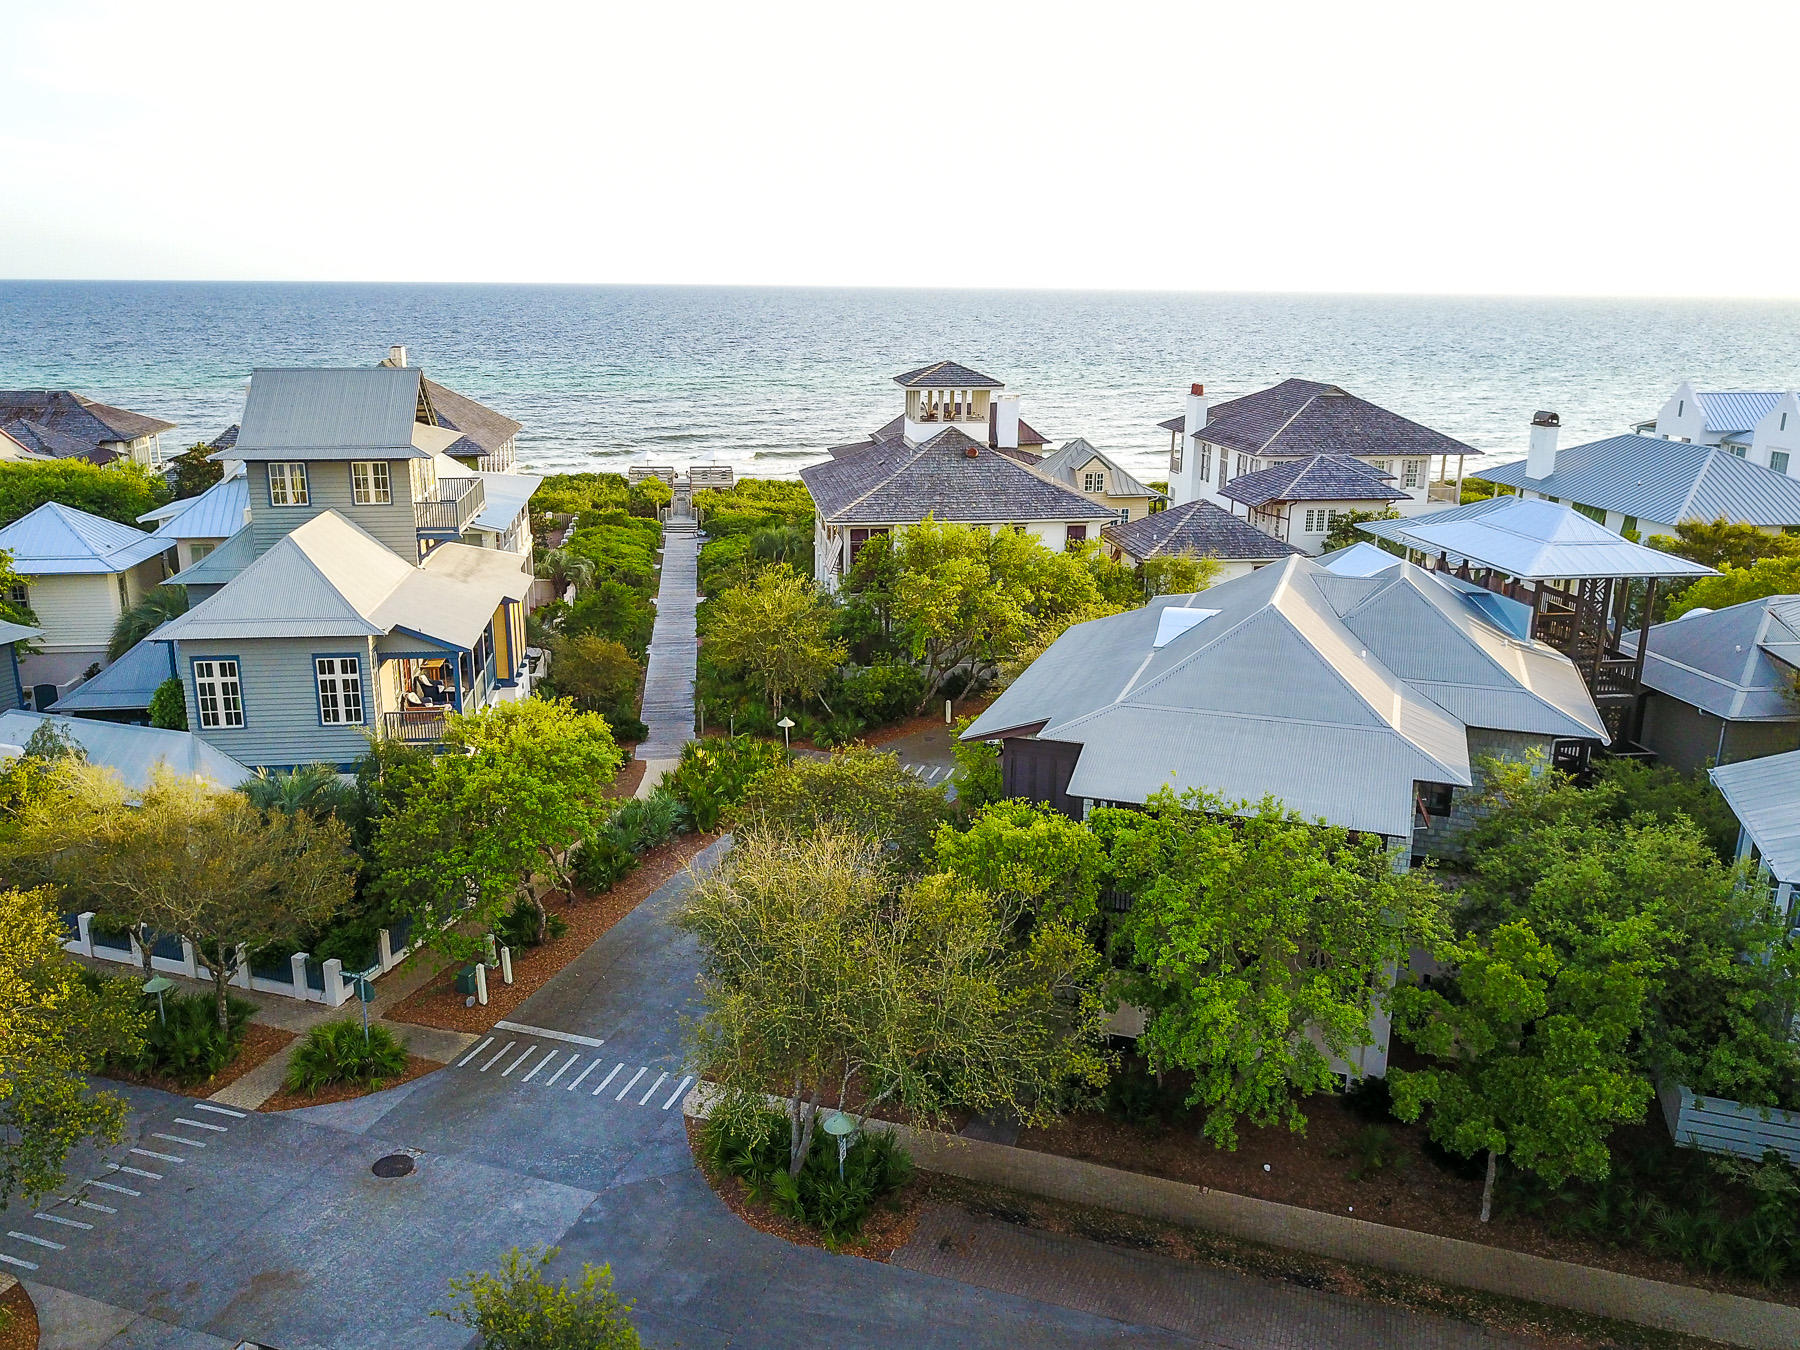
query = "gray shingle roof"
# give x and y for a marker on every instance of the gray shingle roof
(1064, 464)
(1322, 478)
(893, 483)
(1733, 663)
(1764, 794)
(1328, 692)
(946, 375)
(1304, 417)
(1201, 528)
(225, 439)
(1664, 481)
(483, 430)
(65, 424)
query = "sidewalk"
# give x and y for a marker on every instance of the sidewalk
(668, 709)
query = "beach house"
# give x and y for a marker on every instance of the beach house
(12, 685)
(948, 393)
(1758, 425)
(1201, 530)
(1099, 478)
(199, 524)
(61, 424)
(486, 440)
(1764, 795)
(1211, 444)
(1301, 501)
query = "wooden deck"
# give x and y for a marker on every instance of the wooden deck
(674, 648)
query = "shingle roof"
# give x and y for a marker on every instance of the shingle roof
(1734, 662)
(1028, 434)
(1321, 478)
(1200, 528)
(1064, 464)
(127, 684)
(325, 414)
(1735, 409)
(893, 483)
(1663, 481)
(946, 375)
(1531, 540)
(58, 540)
(1764, 794)
(225, 439)
(132, 752)
(483, 430)
(1328, 692)
(896, 430)
(65, 424)
(1304, 417)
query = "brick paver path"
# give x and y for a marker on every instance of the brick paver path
(669, 679)
(1214, 1307)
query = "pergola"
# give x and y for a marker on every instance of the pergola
(1576, 576)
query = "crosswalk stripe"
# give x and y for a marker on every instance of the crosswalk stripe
(66, 1223)
(549, 1055)
(609, 1077)
(633, 1083)
(661, 1078)
(15, 1261)
(36, 1240)
(524, 1055)
(546, 1033)
(583, 1074)
(496, 1059)
(177, 1139)
(108, 1186)
(680, 1088)
(551, 1080)
(218, 1110)
(476, 1051)
(202, 1125)
(104, 1209)
(160, 1157)
(136, 1172)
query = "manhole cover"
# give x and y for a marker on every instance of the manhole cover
(394, 1165)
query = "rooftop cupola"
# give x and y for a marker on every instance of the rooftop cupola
(947, 394)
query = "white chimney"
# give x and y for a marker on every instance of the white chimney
(396, 355)
(1006, 421)
(1540, 457)
(1196, 410)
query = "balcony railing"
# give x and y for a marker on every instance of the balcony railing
(415, 726)
(452, 505)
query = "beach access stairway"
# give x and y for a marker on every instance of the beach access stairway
(674, 648)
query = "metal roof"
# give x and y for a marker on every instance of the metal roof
(1201, 528)
(328, 414)
(1361, 559)
(58, 540)
(1667, 482)
(1532, 541)
(221, 565)
(218, 513)
(130, 751)
(1764, 794)
(946, 375)
(1294, 688)
(1063, 464)
(507, 494)
(11, 632)
(127, 684)
(1734, 662)
(1320, 478)
(1735, 409)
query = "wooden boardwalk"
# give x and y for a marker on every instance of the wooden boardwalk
(674, 648)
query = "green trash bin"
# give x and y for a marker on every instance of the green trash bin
(465, 980)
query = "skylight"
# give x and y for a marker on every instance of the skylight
(1175, 621)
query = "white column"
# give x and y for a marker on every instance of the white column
(334, 983)
(297, 974)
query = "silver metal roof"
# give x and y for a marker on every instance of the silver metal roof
(1764, 794)
(1334, 693)
(1734, 662)
(218, 513)
(58, 540)
(1735, 409)
(221, 565)
(1062, 466)
(1532, 541)
(1663, 481)
(329, 414)
(131, 752)
(127, 684)
(17, 632)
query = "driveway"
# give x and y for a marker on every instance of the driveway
(211, 1226)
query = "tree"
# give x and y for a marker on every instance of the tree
(158, 606)
(1531, 1056)
(194, 472)
(190, 861)
(310, 787)
(11, 609)
(978, 776)
(1344, 531)
(168, 705)
(596, 673)
(1261, 944)
(1049, 863)
(121, 491)
(55, 1028)
(518, 1309)
(1177, 574)
(774, 630)
(1724, 543)
(464, 845)
(956, 597)
(1735, 585)
(861, 790)
(563, 568)
(821, 969)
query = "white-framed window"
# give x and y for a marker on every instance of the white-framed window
(340, 690)
(200, 550)
(1124, 515)
(19, 593)
(1093, 482)
(287, 485)
(1205, 461)
(1778, 460)
(369, 483)
(1319, 520)
(1243, 465)
(1382, 465)
(1411, 474)
(218, 694)
(1175, 455)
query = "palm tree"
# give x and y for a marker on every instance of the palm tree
(783, 543)
(311, 787)
(137, 623)
(564, 567)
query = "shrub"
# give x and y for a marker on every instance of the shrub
(605, 858)
(647, 821)
(518, 927)
(122, 491)
(185, 1044)
(1371, 1151)
(519, 1310)
(978, 778)
(1370, 1099)
(168, 706)
(861, 789)
(713, 775)
(876, 694)
(336, 1052)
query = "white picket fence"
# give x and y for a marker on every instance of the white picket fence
(336, 984)
(1720, 1125)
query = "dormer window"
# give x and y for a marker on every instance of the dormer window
(287, 485)
(1093, 482)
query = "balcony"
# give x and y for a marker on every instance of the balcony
(415, 726)
(453, 503)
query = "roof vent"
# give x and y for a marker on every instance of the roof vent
(1175, 621)
(970, 451)
(1545, 419)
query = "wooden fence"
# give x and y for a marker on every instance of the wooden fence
(1719, 1125)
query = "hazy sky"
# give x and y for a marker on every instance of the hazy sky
(1571, 147)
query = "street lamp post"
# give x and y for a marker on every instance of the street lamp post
(786, 724)
(841, 1126)
(159, 985)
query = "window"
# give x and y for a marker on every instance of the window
(199, 551)
(369, 485)
(1320, 521)
(1680, 408)
(1093, 482)
(1077, 535)
(1175, 455)
(1383, 465)
(1205, 461)
(1593, 513)
(1124, 515)
(19, 593)
(218, 694)
(1243, 465)
(287, 485)
(1434, 798)
(1411, 474)
(1783, 426)
(340, 690)
(1778, 460)
(1628, 528)
(484, 649)
(1741, 451)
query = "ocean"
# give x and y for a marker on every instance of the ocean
(767, 378)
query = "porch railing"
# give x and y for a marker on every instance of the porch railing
(415, 726)
(451, 507)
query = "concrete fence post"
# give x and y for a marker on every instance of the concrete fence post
(242, 978)
(137, 951)
(334, 983)
(506, 964)
(84, 924)
(493, 955)
(384, 946)
(190, 960)
(297, 973)
(481, 983)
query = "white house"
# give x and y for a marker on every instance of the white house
(1758, 425)
(61, 424)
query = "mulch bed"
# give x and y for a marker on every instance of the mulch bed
(437, 1004)
(18, 1320)
(968, 707)
(888, 1228)
(259, 1043)
(629, 779)
(417, 1066)
(1300, 1169)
